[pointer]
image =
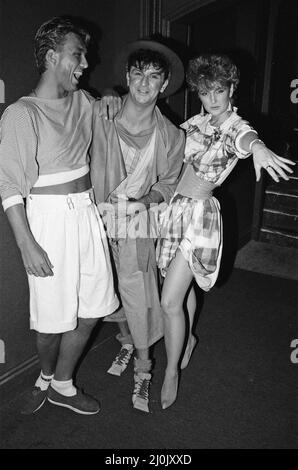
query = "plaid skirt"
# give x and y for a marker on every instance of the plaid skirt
(195, 227)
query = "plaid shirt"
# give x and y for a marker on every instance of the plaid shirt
(214, 150)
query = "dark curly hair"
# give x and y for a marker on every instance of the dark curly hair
(207, 69)
(51, 35)
(143, 58)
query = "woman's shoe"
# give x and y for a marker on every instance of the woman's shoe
(192, 342)
(169, 391)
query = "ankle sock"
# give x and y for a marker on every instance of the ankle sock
(43, 381)
(127, 346)
(124, 340)
(65, 387)
(142, 365)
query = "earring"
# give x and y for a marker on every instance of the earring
(202, 113)
(230, 106)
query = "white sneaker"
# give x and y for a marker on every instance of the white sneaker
(121, 360)
(140, 396)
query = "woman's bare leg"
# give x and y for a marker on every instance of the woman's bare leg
(176, 285)
(191, 342)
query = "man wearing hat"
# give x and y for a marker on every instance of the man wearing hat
(136, 161)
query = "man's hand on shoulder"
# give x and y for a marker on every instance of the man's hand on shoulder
(110, 104)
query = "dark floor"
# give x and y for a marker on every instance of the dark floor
(240, 390)
(265, 258)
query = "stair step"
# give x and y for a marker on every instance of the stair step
(280, 220)
(281, 238)
(281, 202)
(284, 187)
(293, 151)
(293, 155)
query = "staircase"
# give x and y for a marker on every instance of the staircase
(280, 211)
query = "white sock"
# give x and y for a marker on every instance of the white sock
(43, 381)
(65, 387)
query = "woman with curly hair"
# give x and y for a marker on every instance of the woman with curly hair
(190, 246)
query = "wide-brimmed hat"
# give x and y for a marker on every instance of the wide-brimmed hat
(176, 77)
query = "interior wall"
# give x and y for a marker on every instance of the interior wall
(174, 7)
(115, 22)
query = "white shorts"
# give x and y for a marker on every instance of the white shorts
(70, 230)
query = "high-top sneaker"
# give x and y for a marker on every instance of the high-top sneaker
(142, 379)
(121, 360)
